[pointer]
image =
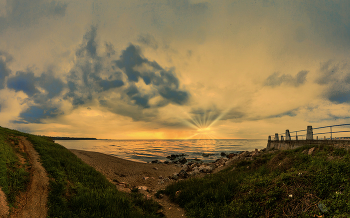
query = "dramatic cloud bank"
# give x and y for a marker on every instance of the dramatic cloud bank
(173, 69)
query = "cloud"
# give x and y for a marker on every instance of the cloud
(4, 70)
(29, 84)
(291, 113)
(127, 85)
(22, 13)
(330, 20)
(336, 78)
(54, 86)
(35, 114)
(148, 40)
(276, 79)
(89, 45)
(164, 81)
(130, 85)
(23, 81)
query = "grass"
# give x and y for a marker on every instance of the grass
(76, 189)
(14, 177)
(280, 184)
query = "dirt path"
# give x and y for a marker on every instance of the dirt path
(33, 202)
(126, 174)
(4, 208)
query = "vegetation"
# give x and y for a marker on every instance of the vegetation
(275, 184)
(14, 176)
(76, 189)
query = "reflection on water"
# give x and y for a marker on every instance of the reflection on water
(148, 150)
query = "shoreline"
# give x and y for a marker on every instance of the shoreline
(128, 175)
(148, 178)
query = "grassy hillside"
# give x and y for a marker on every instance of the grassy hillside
(13, 174)
(76, 189)
(276, 184)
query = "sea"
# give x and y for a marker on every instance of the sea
(206, 150)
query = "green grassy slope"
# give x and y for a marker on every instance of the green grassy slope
(76, 189)
(277, 184)
(13, 175)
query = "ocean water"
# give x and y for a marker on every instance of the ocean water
(148, 150)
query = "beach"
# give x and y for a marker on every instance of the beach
(126, 174)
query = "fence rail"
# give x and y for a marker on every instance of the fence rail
(309, 133)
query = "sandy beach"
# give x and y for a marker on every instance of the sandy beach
(127, 174)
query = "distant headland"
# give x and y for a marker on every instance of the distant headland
(70, 138)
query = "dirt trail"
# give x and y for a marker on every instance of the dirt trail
(4, 208)
(32, 203)
(135, 174)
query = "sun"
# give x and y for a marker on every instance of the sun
(204, 130)
(203, 122)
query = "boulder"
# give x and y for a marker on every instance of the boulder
(223, 154)
(182, 160)
(207, 154)
(175, 176)
(205, 169)
(231, 155)
(143, 188)
(183, 174)
(155, 161)
(311, 151)
(245, 154)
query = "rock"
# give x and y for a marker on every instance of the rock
(143, 188)
(160, 212)
(175, 176)
(263, 150)
(177, 193)
(145, 178)
(183, 174)
(156, 168)
(155, 161)
(228, 162)
(187, 168)
(322, 208)
(183, 160)
(223, 154)
(166, 162)
(311, 151)
(174, 156)
(160, 177)
(205, 169)
(255, 153)
(245, 154)
(171, 157)
(207, 154)
(231, 155)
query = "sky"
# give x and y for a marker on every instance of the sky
(173, 69)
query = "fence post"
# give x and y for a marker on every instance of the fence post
(331, 133)
(276, 137)
(287, 135)
(309, 134)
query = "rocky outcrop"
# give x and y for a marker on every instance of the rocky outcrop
(190, 168)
